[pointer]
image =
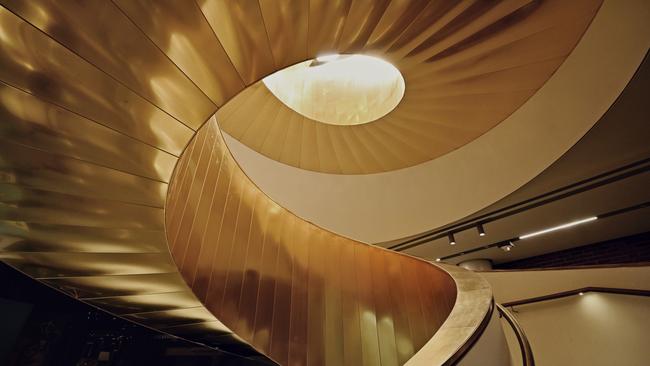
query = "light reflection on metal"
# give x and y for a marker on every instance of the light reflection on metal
(467, 67)
(97, 101)
(296, 292)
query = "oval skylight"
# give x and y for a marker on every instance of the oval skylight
(339, 89)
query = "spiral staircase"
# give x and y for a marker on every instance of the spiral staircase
(118, 188)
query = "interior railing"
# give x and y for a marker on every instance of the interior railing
(527, 358)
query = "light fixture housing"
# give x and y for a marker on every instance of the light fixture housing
(481, 230)
(452, 240)
(507, 247)
(559, 227)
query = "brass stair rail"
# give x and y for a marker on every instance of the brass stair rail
(524, 345)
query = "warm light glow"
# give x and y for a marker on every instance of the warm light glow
(339, 89)
(565, 226)
(327, 58)
(481, 230)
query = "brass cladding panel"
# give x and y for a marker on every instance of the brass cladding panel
(183, 33)
(35, 123)
(467, 67)
(240, 28)
(299, 294)
(37, 64)
(98, 100)
(101, 34)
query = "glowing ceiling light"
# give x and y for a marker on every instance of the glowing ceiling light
(339, 89)
(560, 227)
(328, 57)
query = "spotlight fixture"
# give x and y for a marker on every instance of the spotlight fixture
(581, 293)
(481, 230)
(452, 240)
(559, 227)
(437, 259)
(507, 247)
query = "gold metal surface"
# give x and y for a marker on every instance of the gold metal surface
(473, 304)
(37, 64)
(467, 67)
(101, 34)
(32, 122)
(286, 286)
(99, 100)
(181, 31)
(240, 28)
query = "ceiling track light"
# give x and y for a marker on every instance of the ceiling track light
(452, 240)
(559, 227)
(481, 230)
(507, 247)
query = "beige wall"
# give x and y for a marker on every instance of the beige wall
(595, 329)
(491, 349)
(516, 285)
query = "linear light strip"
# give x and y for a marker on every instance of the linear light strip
(560, 227)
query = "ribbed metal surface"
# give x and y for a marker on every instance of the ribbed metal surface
(298, 293)
(98, 100)
(467, 66)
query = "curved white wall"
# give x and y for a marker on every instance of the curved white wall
(491, 348)
(596, 329)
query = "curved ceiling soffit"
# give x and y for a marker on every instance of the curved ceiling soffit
(467, 66)
(392, 205)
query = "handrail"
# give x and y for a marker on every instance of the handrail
(557, 295)
(524, 345)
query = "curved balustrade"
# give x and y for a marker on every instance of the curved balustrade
(298, 293)
(98, 101)
(527, 358)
